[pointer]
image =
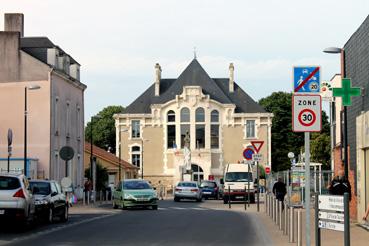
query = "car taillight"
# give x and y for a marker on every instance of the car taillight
(194, 190)
(19, 193)
(178, 189)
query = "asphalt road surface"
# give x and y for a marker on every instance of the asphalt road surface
(183, 223)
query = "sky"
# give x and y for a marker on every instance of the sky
(118, 42)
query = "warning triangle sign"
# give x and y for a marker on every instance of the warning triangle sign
(257, 145)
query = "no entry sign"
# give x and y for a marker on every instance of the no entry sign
(306, 113)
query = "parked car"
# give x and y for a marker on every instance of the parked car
(210, 189)
(50, 201)
(187, 190)
(135, 193)
(16, 199)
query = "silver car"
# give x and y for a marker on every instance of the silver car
(16, 200)
(187, 190)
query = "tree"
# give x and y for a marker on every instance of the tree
(320, 149)
(102, 176)
(104, 128)
(284, 140)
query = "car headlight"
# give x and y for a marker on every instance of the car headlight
(154, 195)
(128, 196)
(41, 202)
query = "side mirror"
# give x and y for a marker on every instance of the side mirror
(222, 181)
(154, 188)
(54, 193)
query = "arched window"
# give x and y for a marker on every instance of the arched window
(200, 128)
(214, 116)
(185, 115)
(185, 126)
(136, 155)
(200, 115)
(171, 129)
(171, 116)
(214, 130)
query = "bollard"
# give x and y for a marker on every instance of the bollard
(291, 224)
(272, 207)
(88, 198)
(285, 220)
(84, 198)
(280, 214)
(106, 196)
(100, 196)
(265, 203)
(276, 211)
(299, 227)
(244, 199)
(229, 196)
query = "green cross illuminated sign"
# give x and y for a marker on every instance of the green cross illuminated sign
(346, 92)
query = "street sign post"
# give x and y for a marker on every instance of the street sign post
(306, 113)
(10, 141)
(257, 157)
(306, 79)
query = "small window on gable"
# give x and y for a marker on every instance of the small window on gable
(200, 115)
(185, 115)
(214, 116)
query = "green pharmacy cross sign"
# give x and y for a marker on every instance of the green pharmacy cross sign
(346, 92)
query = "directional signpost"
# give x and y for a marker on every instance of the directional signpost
(331, 212)
(257, 157)
(306, 110)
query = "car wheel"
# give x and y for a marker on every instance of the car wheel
(199, 199)
(50, 217)
(252, 199)
(176, 199)
(115, 206)
(64, 217)
(225, 200)
(155, 207)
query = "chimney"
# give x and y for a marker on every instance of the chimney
(14, 23)
(231, 77)
(157, 79)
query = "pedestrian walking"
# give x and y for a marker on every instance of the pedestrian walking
(279, 190)
(340, 185)
(87, 189)
(161, 190)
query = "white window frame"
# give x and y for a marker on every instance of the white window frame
(255, 133)
(139, 127)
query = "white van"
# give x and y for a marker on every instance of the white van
(238, 180)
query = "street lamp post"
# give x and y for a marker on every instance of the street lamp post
(142, 158)
(31, 87)
(335, 50)
(92, 155)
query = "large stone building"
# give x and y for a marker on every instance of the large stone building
(55, 112)
(220, 117)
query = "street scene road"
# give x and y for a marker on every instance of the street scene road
(184, 223)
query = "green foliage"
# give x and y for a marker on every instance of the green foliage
(104, 128)
(102, 176)
(284, 140)
(320, 149)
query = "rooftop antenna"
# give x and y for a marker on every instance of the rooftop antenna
(194, 52)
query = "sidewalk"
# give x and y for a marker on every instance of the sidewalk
(97, 208)
(358, 235)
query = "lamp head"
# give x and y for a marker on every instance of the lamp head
(332, 50)
(33, 87)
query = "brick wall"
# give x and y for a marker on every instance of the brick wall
(338, 165)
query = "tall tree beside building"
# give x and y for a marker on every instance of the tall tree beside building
(104, 128)
(284, 140)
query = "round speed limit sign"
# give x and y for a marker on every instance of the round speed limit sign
(307, 117)
(306, 113)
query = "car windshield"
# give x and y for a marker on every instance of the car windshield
(238, 177)
(207, 185)
(40, 188)
(136, 185)
(9, 183)
(187, 184)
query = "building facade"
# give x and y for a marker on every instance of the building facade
(356, 67)
(55, 111)
(220, 118)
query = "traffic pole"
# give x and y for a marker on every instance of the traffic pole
(307, 187)
(257, 186)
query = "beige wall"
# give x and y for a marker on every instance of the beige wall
(67, 123)
(38, 121)
(233, 145)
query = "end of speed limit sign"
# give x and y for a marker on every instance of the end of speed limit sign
(306, 113)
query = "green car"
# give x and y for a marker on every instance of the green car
(135, 193)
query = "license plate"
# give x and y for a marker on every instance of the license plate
(142, 199)
(239, 197)
(207, 193)
(2, 211)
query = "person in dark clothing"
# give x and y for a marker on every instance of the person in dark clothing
(279, 189)
(340, 185)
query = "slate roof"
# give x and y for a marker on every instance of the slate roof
(37, 47)
(195, 75)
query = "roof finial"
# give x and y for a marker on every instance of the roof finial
(194, 53)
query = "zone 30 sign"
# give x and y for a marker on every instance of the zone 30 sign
(306, 113)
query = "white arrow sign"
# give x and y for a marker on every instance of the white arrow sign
(331, 225)
(331, 216)
(333, 203)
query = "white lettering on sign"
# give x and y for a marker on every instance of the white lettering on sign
(331, 216)
(331, 225)
(333, 203)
